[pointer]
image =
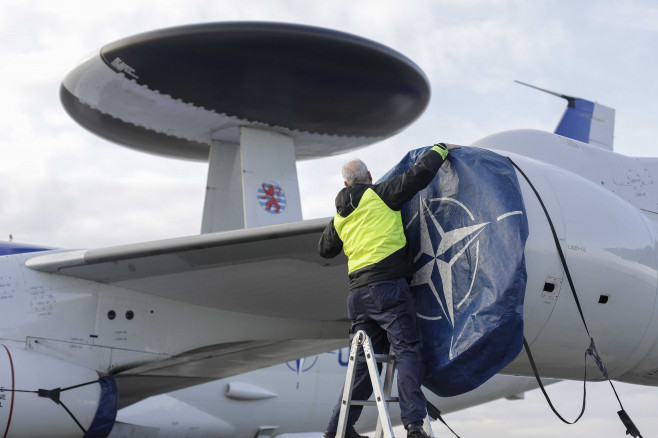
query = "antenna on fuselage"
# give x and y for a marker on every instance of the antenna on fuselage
(584, 120)
(249, 97)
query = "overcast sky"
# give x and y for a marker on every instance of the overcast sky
(64, 187)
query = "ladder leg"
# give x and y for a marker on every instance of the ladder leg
(346, 400)
(379, 432)
(389, 376)
(428, 427)
(380, 400)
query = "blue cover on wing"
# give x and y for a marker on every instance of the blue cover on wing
(467, 232)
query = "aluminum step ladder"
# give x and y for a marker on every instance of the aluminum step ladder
(381, 392)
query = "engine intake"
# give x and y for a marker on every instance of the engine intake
(50, 398)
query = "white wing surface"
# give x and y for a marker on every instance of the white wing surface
(270, 271)
(289, 301)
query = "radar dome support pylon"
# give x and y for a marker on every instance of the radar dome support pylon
(253, 183)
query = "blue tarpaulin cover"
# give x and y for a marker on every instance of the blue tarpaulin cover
(467, 232)
(106, 414)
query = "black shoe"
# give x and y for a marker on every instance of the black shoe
(416, 431)
(349, 433)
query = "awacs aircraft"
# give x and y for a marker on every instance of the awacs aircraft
(251, 291)
(296, 397)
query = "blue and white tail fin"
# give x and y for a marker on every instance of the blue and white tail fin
(584, 120)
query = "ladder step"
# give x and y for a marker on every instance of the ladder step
(374, 403)
(381, 358)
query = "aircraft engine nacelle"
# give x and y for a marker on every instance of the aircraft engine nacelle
(40, 397)
(610, 251)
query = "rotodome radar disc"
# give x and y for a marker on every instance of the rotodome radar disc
(173, 91)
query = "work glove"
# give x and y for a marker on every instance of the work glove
(442, 149)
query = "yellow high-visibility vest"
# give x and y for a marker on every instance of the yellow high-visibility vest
(371, 232)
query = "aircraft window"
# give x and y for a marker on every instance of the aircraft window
(111, 314)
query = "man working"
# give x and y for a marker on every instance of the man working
(368, 227)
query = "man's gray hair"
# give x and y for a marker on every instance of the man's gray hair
(355, 172)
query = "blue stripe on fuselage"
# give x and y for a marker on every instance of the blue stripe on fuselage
(10, 248)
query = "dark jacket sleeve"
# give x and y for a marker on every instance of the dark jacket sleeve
(400, 189)
(330, 244)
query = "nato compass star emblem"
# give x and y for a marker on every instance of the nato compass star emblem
(456, 249)
(301, 366)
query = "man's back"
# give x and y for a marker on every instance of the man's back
(368, 224)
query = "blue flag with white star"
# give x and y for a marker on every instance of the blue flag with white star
(466, 233)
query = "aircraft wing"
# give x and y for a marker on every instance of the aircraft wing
(269, 271)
